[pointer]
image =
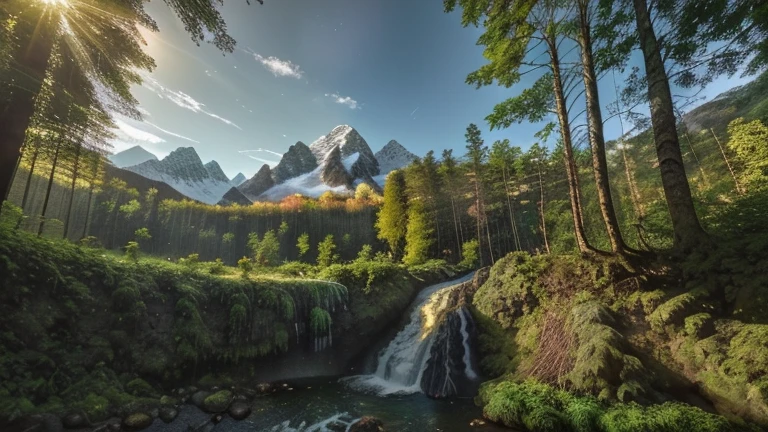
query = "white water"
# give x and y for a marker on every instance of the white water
(402, 363)
(321, 426)
(468, 371)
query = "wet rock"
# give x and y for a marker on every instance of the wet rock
(168, 401)
(264, 388)
(367, 424)
(477, 422)
(114, 424)
(168, 414)
(75, 421)
(336, 426)
(137, 421)
(216, 419)
(199, 397)
(239, 410)
(218, 402)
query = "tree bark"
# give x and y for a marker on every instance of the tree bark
(72, 188)
(570, 164)
(16, 111)
(29, 177)
(596, 137)
(87, 211)
(48, 191)
(541, 210)
(685, 223)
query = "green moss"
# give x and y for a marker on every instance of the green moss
(695, 324)
(673, 310)
(94, 406)
(538, 407)
(218, 401)
(139, 387)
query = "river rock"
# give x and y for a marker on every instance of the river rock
(218, 402)
(137, 421)
(168, 414)
(75, 421)
(37, 423)
(367, 424)
(264, 388)
(199, 397)
(239, 410)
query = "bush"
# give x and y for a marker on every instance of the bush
(325, 252)
(132, 251)
(469, 252)
(245, 265)
(217, 267)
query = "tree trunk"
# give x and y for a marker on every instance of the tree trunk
(541, 211)
(634, 194)
(72, 189)
(31, 60)
(29, 177)
(456, 229)
(477, 210)
(685, 222)
(596, 137)
(515, 235)
(570, 164)
(87, 211)
(48, 191)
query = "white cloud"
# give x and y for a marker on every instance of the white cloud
(171, 133)
(181, 99)
(277, 66)
(344, 100)
(271, 163)
(126, 132)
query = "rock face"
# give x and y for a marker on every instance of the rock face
(184, 171)
(449, 369)
(334, 172)
(215, 171)
(234, 196)
(256, 185)
(393, 156)
(349, 142)
(133, 156)
(238, 179)
(298, 160)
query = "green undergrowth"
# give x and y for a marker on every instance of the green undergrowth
(628, 338)
(539, 407)
(91, 330)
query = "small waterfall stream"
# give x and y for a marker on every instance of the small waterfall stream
(426, 351)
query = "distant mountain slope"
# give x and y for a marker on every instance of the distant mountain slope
(393, 156)
(349, 142)
(256, 185)
(133, 156)
(298, 160)
(234, 196)
(142, 184)
(184, 171)
(238, 179)
(216, 172)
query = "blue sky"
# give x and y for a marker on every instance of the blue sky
(391, 69)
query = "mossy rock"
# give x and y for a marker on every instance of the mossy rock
(168, 401)
(95, 407)
(137, 421)
(218, 402)
(139, 387)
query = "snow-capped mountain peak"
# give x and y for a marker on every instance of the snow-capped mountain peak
(393, 156)
(184, 171)
(132, 156)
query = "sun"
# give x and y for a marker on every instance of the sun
(55, 2)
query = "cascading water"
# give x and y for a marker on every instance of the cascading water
(423, 352)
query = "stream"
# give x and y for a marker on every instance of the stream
(431, 354)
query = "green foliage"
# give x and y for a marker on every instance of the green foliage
(470, 253)
(227, 238)
(302, 244)
(418, 237)
(392, 219)
(11, 215)
(325, 251)
(747, 140)
(674, 309)
(538, 407)
(365, 254)
(191, 261)
(132, 251)
(245, 265)
(142, 234)
(139, 387)
(217, 267)
(319, 321)
(283, 228)
(267, 250)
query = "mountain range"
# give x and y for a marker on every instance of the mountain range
(338, 162)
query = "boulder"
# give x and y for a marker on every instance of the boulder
(239, 410)
(199, 397)
(367, 424)
(218, 402)
(137, 421)
(75, 421)
(168, 414)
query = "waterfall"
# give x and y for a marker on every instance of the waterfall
(402, 364)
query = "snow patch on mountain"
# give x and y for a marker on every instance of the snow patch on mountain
(394, 156)
(309, 184)
(184, 171)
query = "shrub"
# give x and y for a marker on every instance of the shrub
(217, 267)
(132, 251)
(245, 265)
(469, 252)
(325, 252)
